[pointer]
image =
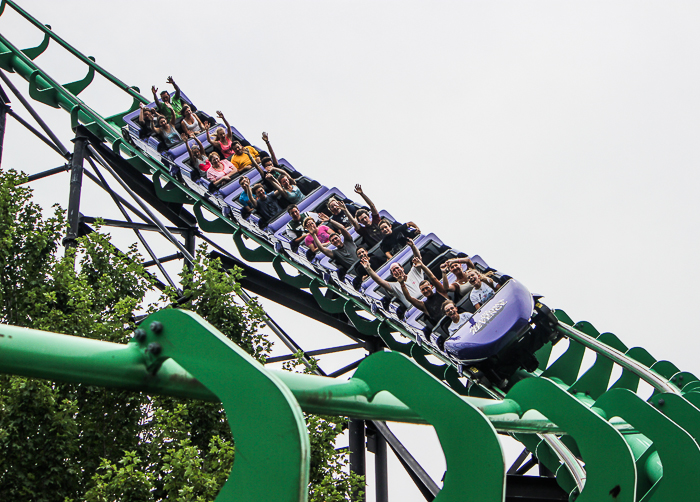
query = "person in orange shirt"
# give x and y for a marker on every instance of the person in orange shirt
(240, 158)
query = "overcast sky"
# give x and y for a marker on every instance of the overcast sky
(558, 140)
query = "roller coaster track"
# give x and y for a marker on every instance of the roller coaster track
(601, 439)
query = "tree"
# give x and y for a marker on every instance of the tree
(61, 442)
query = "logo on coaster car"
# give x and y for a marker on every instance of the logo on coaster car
(487, 316)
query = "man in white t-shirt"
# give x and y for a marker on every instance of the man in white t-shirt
(413, 278)
(458, 320)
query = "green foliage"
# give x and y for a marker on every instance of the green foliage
(211, 292)
(67, 443)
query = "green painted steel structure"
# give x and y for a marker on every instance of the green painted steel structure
(632, 449)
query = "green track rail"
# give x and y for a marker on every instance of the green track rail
(633, 449)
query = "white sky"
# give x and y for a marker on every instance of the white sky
(555, 139)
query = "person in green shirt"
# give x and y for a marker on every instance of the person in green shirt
(176, 102)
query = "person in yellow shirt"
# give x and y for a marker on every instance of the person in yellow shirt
(240, 158)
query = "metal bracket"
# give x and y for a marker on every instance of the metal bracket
(79, 86)
(259, 254)
(217, 225)
(34, 52)
(298, 281)
(47, 95)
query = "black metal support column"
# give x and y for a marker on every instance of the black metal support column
(381, 475)
(377, 444)
(76, 184)
(357, 449)
(190, 244)
(4, 108)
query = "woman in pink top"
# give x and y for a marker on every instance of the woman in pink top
(221, 171)
(323, 233)
(223, 140)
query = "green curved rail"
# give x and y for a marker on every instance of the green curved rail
(627, 465)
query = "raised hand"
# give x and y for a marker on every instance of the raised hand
(444, 267)
(323, 217)
(417, 262)
(358, 189)
(154, 89)
(170, 80)
(219, 114)
(264, 136)
(402, 279)
(365, 263)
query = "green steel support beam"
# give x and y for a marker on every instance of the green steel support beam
(465, 479)
(273, 466)
(677, 450)
(601, 445)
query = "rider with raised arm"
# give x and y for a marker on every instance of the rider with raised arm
(243, 156)
(245, 197)
(461, 286)
(222, 140)
(295, 230)
(266, 204)
(175, 103)
(413, 278)
(395, 236)
(198, 158)
(432, 305)
(345, 251)
(283, 189)
(147, 121)
(276, 172)
(340, 213)
(266, 139)
(483, 287)
(366, 227)
(166, 129)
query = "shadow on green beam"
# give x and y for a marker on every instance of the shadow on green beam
(385, 333)
(298, 281)
(172, 194)
(259, 254)
(365, 326)
(332, 306)
(216, 226)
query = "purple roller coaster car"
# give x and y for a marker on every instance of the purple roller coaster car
(499, 322)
